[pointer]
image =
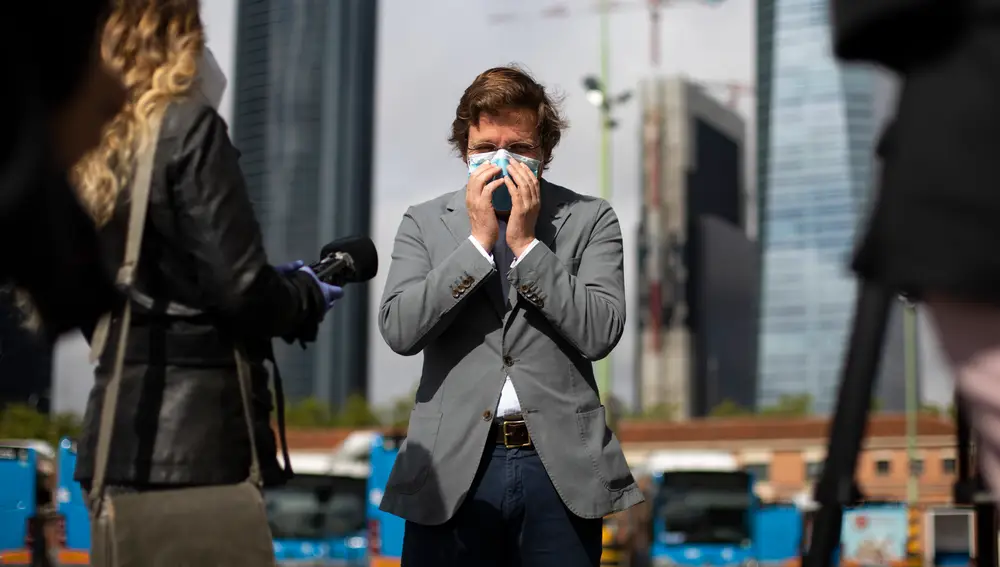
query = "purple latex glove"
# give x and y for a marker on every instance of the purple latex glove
(331, 293)
(285, 269)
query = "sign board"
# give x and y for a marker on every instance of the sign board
(874, 536)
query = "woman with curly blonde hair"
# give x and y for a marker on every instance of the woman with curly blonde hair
(203, 282)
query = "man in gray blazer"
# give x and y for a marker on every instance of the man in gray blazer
(510, 288)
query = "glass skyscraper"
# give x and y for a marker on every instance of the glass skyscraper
(816, 132)
(303, 120)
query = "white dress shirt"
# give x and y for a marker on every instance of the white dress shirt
(509, 404)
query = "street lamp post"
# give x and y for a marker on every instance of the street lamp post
(597, 94)
(910, 365)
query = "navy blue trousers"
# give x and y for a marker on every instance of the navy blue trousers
(512, 517)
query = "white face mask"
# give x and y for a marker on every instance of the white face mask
(211, 81)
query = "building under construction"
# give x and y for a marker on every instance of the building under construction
(698, 270)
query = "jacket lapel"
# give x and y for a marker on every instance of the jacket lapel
(456, 217)
(553, 214)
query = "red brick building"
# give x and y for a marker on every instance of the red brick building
(784, 453)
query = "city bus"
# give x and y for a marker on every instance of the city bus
(18, 472)
(31, 521)
(318, 516)
(703, 510)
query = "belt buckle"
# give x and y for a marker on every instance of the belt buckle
(507, 435)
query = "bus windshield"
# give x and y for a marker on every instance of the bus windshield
(316, 507)
(704, 507)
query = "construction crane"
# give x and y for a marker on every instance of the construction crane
(563, 10)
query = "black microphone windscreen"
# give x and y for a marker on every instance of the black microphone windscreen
(363, 253)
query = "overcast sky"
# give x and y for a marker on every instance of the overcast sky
(429, 52)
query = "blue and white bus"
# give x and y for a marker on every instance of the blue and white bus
(318, 518)
(703, 510)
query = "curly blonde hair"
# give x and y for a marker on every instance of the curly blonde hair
(155, 45)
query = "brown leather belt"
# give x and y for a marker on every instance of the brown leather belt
(512, 433)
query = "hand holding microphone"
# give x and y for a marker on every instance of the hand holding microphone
(331, 293)
(347, 260)
(343, 261)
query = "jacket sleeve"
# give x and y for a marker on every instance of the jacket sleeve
(420, 300)
(219, 230)
(587, 309)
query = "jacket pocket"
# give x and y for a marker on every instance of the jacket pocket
(409, 473)
(604, 449)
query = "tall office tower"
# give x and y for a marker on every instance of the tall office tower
(25, 363)
(699, 271)
(303, 119)
(816, 133)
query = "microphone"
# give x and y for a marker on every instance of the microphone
(347, 260)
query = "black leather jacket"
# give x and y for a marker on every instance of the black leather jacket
(203, 285)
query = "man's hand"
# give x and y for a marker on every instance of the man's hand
(526, 199)
(479, 201)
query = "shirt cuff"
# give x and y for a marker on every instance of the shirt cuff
(525, 253)
(482, 250)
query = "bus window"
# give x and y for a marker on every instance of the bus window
(316, 507)
(704, 507)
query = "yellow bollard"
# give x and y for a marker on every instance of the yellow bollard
(612, 553)
(914, 550)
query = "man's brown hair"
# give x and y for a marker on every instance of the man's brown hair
(507, 87)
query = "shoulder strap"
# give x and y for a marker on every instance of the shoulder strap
(125, 280)
(243, 373)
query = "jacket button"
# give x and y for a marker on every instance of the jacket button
(468, 281)
(525, 287)
(487, 415)
(508, 361)
(456, 294)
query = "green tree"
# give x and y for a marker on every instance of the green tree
(931, 409)
(312, 412)
(615, 410)
(397, 414)
(309, 412)
(728, 408)
(356, 413)
(663, 411)
(19, 421)
(790, 405)
(64, 425)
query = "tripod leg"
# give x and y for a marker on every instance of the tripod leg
(836, 485)
(986, 527)
(964, 490)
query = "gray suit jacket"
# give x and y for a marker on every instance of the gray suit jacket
(568, 295)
